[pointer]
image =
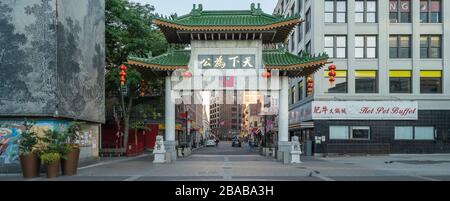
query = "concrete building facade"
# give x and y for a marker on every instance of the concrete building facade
(390, 56)
(52, 54)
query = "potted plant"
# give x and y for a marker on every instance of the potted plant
(70, 149)
(52, 163)
(50, 152)
(29, 159)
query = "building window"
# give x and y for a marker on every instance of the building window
(300, 32)
(336, 46)
(400, 46)
(400, 81)
(366, 81)
(293, 95)
(366, 11)
(308, 47)
(430, 81)
(339, 133)
(400, 11)
(300, 90)
(293, 9)
(423, 133)
(414, 133)
(360, 132)
(356, 132)
(299, 3)
(336, 11)
(340, 83)
(430, 46)
(292, 42)
(403, 133)
(365, 46)
(430, 11)
(308, 20)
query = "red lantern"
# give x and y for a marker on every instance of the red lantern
(267, 74)
(310, 85)
(332, 67)
(187, 74)
(122, 74)
(332, 73)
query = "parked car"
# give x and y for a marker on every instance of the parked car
(236, 143)
(211, 143)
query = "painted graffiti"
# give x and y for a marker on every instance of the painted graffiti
(10, 132)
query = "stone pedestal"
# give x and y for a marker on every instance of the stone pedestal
(171, 153)
(295, 157)
(160, 157)
(159, 151)
(283, 153)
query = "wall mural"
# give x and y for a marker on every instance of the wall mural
(37, 47)
(10, 132)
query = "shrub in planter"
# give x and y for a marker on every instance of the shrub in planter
(29, 159)
(70, 149)
(51, 162)
(50, 152)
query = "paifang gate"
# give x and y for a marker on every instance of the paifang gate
(229, 50)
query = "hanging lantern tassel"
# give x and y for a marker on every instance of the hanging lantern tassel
(310, 86)
(332, 74)
(122, 74)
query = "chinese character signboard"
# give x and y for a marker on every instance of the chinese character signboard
(367, 110)
(227, 61)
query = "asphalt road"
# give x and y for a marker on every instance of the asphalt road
(226, 163)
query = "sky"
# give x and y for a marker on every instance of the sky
(181, 7)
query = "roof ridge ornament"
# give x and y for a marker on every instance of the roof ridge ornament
(149, 54)
(197, 11)
(256, 11)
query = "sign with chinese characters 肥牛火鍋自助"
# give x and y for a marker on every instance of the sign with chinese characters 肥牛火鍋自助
(227, 61)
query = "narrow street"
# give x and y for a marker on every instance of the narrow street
(227, 163)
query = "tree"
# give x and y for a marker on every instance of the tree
(126, 100)
(129, 30)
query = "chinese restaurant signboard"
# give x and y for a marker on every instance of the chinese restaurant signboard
(227, 61)
(365, 110)
(355, 110)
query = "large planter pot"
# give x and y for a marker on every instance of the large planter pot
(69, 164)
(53, 169)
(30, 165)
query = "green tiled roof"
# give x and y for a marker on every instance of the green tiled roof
(253, 17)
(284, 58)
(175, 59)
(268, 28)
